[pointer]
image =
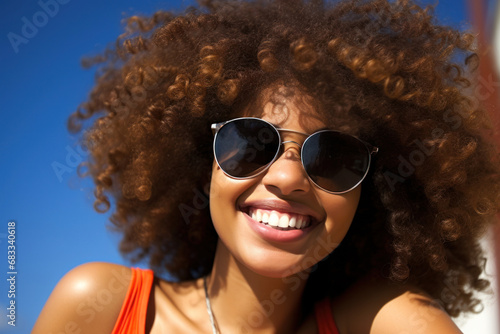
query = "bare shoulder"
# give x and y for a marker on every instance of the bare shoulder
(377, 306)
(87, 299)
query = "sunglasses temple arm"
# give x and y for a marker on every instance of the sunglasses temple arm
(372, 149)
(216, 126)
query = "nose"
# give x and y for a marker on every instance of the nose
(286, 175)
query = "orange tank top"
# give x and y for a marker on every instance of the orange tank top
(132, 318)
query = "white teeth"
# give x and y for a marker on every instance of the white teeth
(259, 215)
(274, 219)
(300, 223)
(277, 219)
(283, 221)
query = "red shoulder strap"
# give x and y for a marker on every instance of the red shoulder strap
(132, 318)
(324, 317)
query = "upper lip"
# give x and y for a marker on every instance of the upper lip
(281, 206)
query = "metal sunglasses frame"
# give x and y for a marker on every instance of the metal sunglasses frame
(371, 150)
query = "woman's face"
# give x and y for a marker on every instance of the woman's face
(285, 192)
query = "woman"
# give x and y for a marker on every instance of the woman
(296, 167)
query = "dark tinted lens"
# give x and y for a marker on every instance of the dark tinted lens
(244, 147)
(335, 161)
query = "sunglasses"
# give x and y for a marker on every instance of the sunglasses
(334, 161)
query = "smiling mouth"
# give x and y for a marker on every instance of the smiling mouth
(279, 220)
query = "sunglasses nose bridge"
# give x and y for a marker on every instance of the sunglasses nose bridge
(290, 149)
(291, 141)
(292, 145)
(291, 136)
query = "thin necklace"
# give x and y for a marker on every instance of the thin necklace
(209, 307)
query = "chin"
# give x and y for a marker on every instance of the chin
(277, 266)
(273, 273)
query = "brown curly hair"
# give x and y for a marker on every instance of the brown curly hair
(384, 71)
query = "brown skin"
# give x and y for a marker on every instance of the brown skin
(371, 306)
(384, 72)
(76, 293)
(256, 271)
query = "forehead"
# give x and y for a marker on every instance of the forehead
(287, 107)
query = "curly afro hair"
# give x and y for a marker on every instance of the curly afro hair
(384, 71)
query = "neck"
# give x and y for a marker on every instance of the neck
(243, 301)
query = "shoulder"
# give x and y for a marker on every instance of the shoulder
(86, 299)
(378, 306)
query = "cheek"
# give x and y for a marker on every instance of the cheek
(217, 196)
(220, 199)
(340, 211)
(223, 189)
(224, 194)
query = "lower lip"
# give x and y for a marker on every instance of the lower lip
(268, 233)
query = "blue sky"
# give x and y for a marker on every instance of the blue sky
(41, 83)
